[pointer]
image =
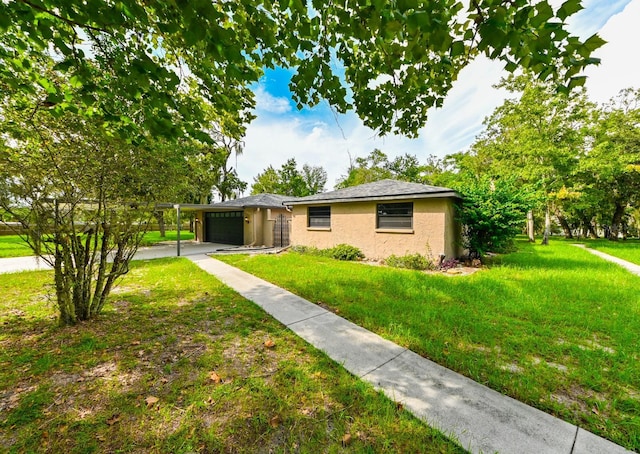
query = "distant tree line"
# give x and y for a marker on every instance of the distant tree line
(289, 180)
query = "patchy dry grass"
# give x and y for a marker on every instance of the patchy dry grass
(555, 327)
(179, 363)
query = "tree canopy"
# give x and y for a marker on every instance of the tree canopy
(164, 62)
(584, 160)
(288, 180)
(377, 166)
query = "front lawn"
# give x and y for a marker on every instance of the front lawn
(554, 327)
(179, 363)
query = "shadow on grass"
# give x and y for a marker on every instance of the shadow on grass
(140, 378)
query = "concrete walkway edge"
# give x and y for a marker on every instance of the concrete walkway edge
(480, 419)
(631, 267)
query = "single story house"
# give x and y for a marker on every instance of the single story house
(257, 220)
(381, 218)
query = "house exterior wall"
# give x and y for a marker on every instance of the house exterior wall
(434, 229)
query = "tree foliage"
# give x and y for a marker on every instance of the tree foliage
(582, 159)
(84, 198)
(491, 213)
(377, 166)
(288, 180)
(160, 58)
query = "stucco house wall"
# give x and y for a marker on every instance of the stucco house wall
(259, 230)
(433, 233)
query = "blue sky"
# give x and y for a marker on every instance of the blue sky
(317, 136)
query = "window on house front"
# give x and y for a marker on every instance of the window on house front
(319, 217)
(395, 216)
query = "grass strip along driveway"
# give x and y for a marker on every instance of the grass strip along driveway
(554, 327)
(180, 363)
(15, 246)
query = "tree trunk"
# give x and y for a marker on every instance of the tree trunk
(531, 227)
(159, 215)
(616, 221)
(547, 226)
(591, 228)
(565, 226)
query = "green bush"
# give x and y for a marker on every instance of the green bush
(492, 212)
(410, 261)
(338, 252)
(345, 252)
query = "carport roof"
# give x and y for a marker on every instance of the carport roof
(378, 190)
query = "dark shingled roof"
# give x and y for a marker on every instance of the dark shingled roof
(254, 201)
(378, 190)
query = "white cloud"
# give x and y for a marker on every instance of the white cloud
(266, 102)
(619, 68)
(595, 14)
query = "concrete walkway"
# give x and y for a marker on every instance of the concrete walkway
(631, 267)
(480, 419)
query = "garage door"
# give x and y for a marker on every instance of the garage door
(225, 227)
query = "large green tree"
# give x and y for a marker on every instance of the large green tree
(536, 138)
(377, 166)
(610, 172)
(400, 58)
(289, 180)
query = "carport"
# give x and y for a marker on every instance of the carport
(257, 220)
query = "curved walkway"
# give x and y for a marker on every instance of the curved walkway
(479, 418)
(631, 267)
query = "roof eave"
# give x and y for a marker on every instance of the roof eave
(433, 195)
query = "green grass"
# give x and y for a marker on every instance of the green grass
(625, 249)
(151, 238)
(554, 327)
(167, 329)
(14, 245)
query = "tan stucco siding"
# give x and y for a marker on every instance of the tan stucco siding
(354, 223)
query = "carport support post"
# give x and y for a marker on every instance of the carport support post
(177, 207)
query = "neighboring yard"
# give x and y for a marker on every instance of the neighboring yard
(14, 246)
(178, 363)
(555, 327)
(625, 249)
